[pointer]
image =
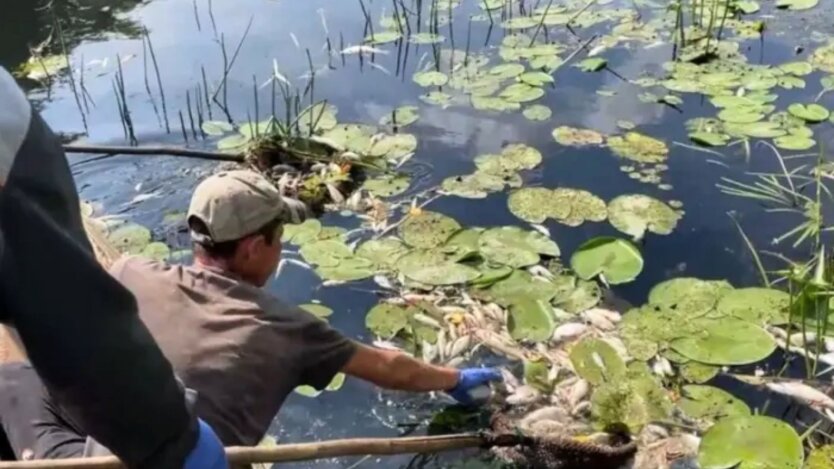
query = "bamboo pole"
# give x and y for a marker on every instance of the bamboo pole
(161, 150)
(302, 451)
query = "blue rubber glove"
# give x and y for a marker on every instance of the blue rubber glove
(471, 378)
(208, 453)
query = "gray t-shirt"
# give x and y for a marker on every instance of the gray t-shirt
(241, 349)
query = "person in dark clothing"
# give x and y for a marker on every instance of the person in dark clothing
(78, 325)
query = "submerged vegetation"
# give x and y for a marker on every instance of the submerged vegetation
(577, 362)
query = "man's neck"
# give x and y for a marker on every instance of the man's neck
(221, 265)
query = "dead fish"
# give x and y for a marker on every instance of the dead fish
(441, 345)
(612, 316)
(523, 395)
(386, 345)
(540, 272)
(335, 195)
(662, 367)
(600, 321)
(510, 381)
(541, 229)
(802, 392)
(362, 49)
(455, 362)
(545, 413)
(428, 351)
(577, 393)
(383, 282)
(427, 320)
(800, 339)
(829, 344)
(581, 408)
(458, 347)
(569, 331)
(387, 72)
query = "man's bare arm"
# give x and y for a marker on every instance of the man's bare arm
(395, 370)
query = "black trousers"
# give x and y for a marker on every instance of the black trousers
(31, 427)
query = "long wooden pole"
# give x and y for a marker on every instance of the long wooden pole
(158, 150)
(302, 451)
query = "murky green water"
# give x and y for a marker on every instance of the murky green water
(187, 39)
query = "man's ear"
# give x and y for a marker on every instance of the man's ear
(251, 246)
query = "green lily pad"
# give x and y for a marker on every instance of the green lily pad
(491, 273)
(710, 403)
(764, 129)
(328, 253)
(794, 142)
(790, 82)
(233, 142)
(698, 373)
(427, 229)
(437, 98)
(463, 244)
(387, 185)
(582, 296)
(507, 70)
(749, 442)
(433, 268)
(573, 207)
(320, 116)
(347, 270)
(757, 305)
(796, 4)
(531, 320)
(300, 234)
(726, 342)
(592, 64)
(383, 253)
(690, 296)
(633, 402)
(535, 78)
(518, 156)
(401, 116)
(821, 458)
(616, 261)
(597, 362)
(43, 67)
(336, 383)
(393, 146)
(577, 137)
(748, 7)
(530, 204)
(536, 375)
(489, 103)
(353, 137)
(636, 214)
(430, 78)
(520, 22)
(515, 247)
(809, 112)
(518, 286)
(537, 112)
(426, 38)
(548, 63)
(386, 320)
(216, 127)
(740, 115)
(521, 93)
(710, 139)
(638, 147)
(157, 251)
(307, 391)
(130, 238)
(382, 37)
(318, 310)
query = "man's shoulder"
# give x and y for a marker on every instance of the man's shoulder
(129, 263)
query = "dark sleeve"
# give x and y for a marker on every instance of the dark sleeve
(78, 325)
(324, 351)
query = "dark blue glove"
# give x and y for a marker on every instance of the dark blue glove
(471, 378)
(208, 453)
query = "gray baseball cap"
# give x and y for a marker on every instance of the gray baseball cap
(235, 204)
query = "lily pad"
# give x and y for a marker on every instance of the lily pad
(518, 156)
(426, 38)
(433, 268)
(473, 186)
(535, 78)
(749, 442)
(691, 296)
(794, 142)
(582, 296)
(577, 137)
(507, 70)
(347, 270)
(40, 68)
(393, 146)
(437, 98)
(764, 129)
(821, 458)
(537, 112)
(796, 4)
(809, 112)
(463, 245)
(216, 127)
(130, 238)
(383, 253)
(710, 403)
(401, 116)
(592, 64)
(328, 253)
(427, 229)
(156, 251)
(521, 93)
(726, 342)
(616, 261)
(489, 103)
(521, 285)
(710, 139)
(354, 137)
(382, 37)
(748, 7)
(300, 234)
(636, 214)
(232, 142)
(515, 247)
(387, 185)
(430, 78)
(740, 115)
(634, 402)
(597, 362)
(638, 147)
(698, 373)
(536, 375)
(757, 305)
(320, 116)
(573, 207)
(530, 204)
(386, 320)
(531, 320)
(318, 310)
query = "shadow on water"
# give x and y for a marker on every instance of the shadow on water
(187, 38)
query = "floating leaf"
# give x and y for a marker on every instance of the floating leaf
(740, 115)
(473, 186)
(530, 204)
(726, 342)
(531, 320)
(690, 296)
(430, 78)
(328, 253)
(354, 137)
(809, 112)
(765, 129)
(232, 142)
(577, 137)
(488, 103)
(749, 442)
(638, 147)
(584, 295)
(300, 234)
(463, 245)
(515, 247)
(437, 98)
(386, 320)
(699, 373)
(393, 146)
(521, 285)
(336, 383)
(821, 457)
(537, 112)
(536, 375)
(794, 142)
(318, 310)
(433, 268)
(401, 116)
(518, 156)
(597, 362)
(382, 37)
(427, 229)
(130, 238)
(157, 251)
(43, 67)
(796, 4)
(535, 78)
(507, 70)
(748, 7)
(216, 127)
(347, 270)
(426, 38)
(521, 93)
(633, 402)
(758, 305)
(616, 261)
(387, 185)
(710, 403)
(709, 139)
(636, 214)
(573, 207)
(307, 391)
(592, 64)
(383, 253)
(320, 117)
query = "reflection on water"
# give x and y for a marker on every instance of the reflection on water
(189, 39)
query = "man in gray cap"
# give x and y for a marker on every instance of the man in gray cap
(240, 348)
